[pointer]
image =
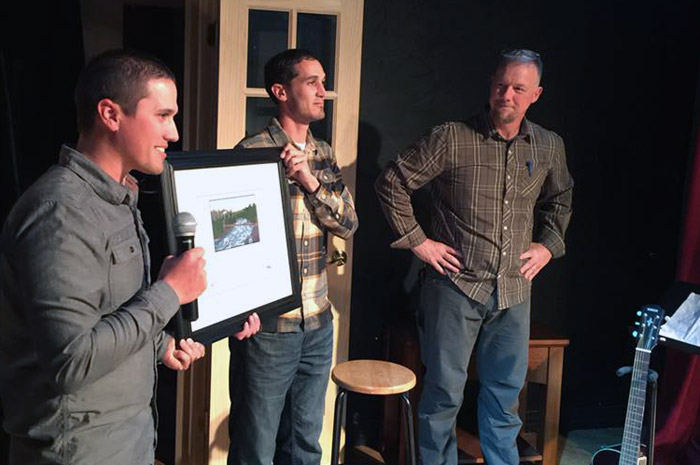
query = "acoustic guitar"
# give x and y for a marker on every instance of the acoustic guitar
(630, 451)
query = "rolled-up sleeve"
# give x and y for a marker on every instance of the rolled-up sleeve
(332, 203)
(412, 169)
(554, 205)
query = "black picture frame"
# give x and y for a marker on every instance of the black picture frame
(193, 181)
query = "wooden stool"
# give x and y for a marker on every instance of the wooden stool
(374, 377)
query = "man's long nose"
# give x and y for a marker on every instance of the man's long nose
(508, 93)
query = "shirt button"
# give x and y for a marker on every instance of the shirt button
(506, 202)
(504, 253)
(337, 216)
(498, 276)
(505, 228)
(508, 176)
(306, 271)
(323, 196)
(306, 243)
(510, 152)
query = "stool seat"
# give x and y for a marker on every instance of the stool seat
(374, 377)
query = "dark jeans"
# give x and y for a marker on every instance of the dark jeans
(448, 325)
(277, 412)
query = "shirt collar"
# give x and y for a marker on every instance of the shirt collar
(281, 138)
(488, 130)
(104, 186)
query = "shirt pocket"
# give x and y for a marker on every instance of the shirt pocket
(532, 176)
(126, 271)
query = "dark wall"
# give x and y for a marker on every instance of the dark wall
(41, 54)
(620, 88)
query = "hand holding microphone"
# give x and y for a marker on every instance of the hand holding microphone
(184, 227)
(185, 273)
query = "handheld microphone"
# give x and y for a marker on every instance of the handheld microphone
(184, 227)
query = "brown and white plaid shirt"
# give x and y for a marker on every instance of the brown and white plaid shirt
(490, 198)
(330, 209)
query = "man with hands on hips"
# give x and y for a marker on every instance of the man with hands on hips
(501, 195)
(444, 258)
(82, 325)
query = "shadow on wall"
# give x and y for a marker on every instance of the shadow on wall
(385, 280)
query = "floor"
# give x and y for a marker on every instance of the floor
(577, 447)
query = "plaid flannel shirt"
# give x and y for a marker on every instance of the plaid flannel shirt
(489, 197)
(329, 209)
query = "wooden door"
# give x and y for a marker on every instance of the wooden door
(247, 33)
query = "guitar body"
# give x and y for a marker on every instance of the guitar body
(611, 456)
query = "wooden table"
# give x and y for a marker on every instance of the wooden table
(545, 367)
(546, 362)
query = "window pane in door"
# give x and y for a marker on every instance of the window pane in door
(317, 34)
(258, 112)
(267, 36)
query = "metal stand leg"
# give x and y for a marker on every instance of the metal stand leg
(652, 381)
(408, 416)
(338, 422)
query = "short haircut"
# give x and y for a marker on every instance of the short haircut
(280, 69)
(521, 55)
(119, 75)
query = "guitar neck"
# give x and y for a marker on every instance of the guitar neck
(635, 408)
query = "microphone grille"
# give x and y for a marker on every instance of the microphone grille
(184, 224)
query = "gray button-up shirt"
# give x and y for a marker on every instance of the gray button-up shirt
(81, 325)
(491, 198)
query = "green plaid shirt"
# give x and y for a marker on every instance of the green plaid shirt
(491, 198)
(330, 209)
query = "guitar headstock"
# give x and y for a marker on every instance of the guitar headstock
(651, 317)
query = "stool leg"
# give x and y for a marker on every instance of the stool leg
(408, 415)
(338, 422)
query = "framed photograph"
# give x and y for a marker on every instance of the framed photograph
(240, 200)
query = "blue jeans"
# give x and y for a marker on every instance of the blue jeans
(448, 325)
(278, 397)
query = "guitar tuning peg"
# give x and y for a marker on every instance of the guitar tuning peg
(635, 333)
(639, 313)
(636, 323)
(666, 318)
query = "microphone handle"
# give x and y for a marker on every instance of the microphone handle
(181, 327)
(190, 311)
(184, 243)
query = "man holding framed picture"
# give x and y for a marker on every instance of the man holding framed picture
(279, 377)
